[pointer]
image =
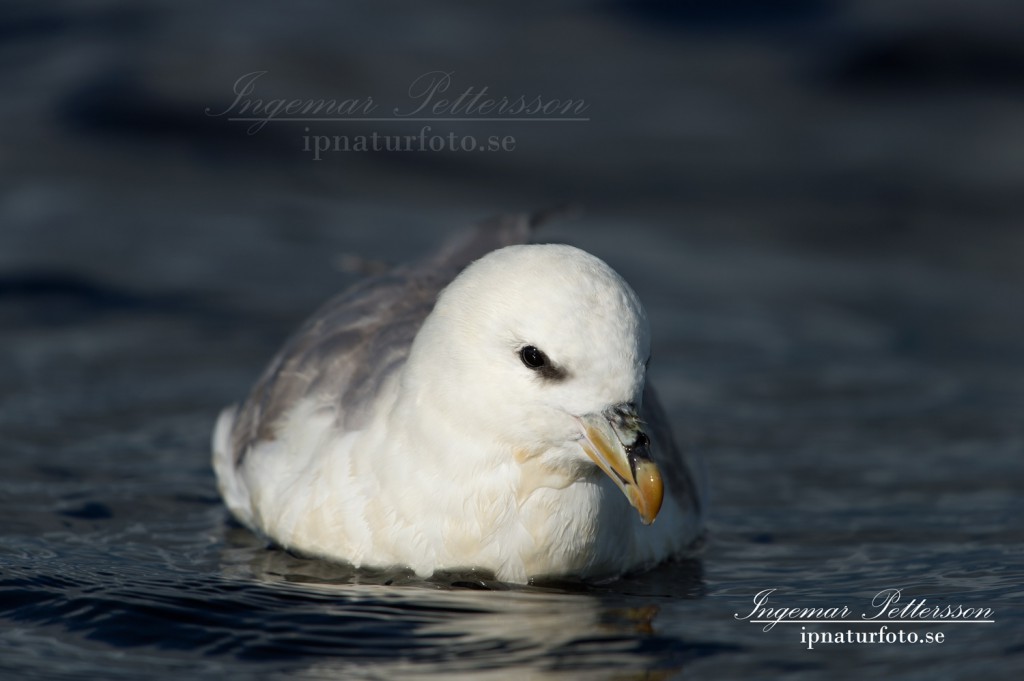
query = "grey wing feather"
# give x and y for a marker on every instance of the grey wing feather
(682, 478)
(355, 342)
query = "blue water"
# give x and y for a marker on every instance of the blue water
(818, 204)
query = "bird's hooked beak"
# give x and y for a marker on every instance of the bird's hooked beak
(614, 441)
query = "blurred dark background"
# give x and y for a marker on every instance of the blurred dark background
(853, 128)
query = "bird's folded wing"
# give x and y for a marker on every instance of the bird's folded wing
(349, 347)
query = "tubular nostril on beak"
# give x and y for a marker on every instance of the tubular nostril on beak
(638, 452)
(623, 417)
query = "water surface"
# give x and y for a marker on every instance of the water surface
(818, 204)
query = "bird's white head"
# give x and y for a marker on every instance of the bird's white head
(542, 351)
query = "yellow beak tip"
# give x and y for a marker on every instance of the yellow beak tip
(648, 493)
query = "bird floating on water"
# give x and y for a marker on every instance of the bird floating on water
(485, 409)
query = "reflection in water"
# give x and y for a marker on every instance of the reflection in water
(184, 595)
(453, 625)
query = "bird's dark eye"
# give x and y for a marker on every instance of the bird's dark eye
(532, 357)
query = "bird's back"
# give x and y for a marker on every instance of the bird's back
(352, 345)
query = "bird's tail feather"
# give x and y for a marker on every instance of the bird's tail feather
(232, 487)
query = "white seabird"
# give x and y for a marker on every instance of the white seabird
(485, 410)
